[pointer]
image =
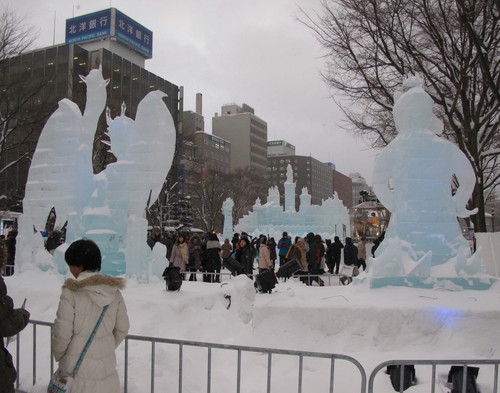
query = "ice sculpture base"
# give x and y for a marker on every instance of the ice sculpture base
(449, 283)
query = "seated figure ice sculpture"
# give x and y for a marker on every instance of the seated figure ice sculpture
(108, 207)
(413, 179)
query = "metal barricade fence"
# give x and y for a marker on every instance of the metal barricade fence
(43, 364)
(48, 360)
(327, 278)
(239, 350)
(430, 373)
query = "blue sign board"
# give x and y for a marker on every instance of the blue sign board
(88, 27)
(134, 34)
(110, 23)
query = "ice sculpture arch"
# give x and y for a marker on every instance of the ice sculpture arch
(412, 177)
(109, 207)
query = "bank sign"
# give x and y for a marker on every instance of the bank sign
(110, 23)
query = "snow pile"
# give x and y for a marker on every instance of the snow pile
(372, 325)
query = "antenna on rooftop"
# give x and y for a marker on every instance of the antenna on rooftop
(54, 32)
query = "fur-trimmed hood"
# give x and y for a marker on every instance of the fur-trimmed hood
(100, 288)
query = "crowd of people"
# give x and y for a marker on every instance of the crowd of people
(91, 297)
(193, 253)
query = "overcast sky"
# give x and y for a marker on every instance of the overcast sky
(233, 51)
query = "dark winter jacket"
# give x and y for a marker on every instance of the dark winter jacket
(235, 240)
(11, 248)
(272, 247)
(212, 260)
(337, 247)
(245, 256)
(195, 253)
(12, 321)
(312, 253)
(350, 253)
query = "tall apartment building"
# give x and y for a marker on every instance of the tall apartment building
(106, 39)
(247, 134)
(307, 172)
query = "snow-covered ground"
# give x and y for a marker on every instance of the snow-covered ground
(371, 325)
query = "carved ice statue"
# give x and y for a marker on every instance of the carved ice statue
(59, 174)
(109, 207)
(329, 219)
(227, 211)
(413, 179)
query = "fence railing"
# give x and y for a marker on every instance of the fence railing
(320, 279)
(431, 373)
(33, 348)
(240, 351)
(428, 373)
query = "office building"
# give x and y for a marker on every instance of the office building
(307, 172)
(106, 39)
(247, 134)
(342, 185)
(280, 148)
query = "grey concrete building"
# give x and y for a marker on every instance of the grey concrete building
(280, 148)
(247, 134)
(307, 172)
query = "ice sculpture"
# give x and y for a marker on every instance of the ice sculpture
(329, 219)
(109, 207)
(412, 178)
(227, 211)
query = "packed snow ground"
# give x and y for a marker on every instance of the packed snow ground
(370, 325)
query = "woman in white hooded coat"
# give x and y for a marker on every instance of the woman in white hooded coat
(80, 306)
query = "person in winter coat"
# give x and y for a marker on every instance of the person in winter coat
(11, 251)
(180, 254)
(154, 238)
(337, 247)
(283, 245)
(80, 306)
(195, 256)
(212, 261)
(312, 254)
(320, 254)
(265, 261)
(245, 256)
(350, 253)
(227, 249)
(362, 253)
(298, 251)
(12, 321)
(235, 241)
(271, 243)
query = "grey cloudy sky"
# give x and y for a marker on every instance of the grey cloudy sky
(240, 51)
